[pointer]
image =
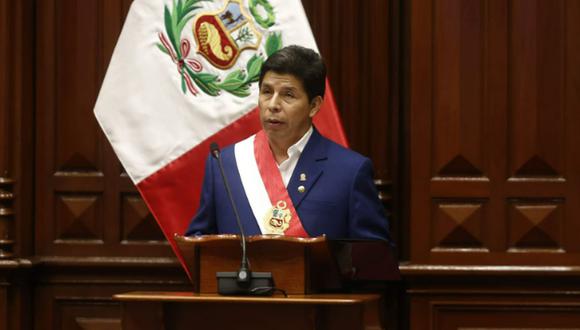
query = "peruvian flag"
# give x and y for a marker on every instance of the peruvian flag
(183, 74)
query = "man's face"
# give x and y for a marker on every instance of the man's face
(285, 111)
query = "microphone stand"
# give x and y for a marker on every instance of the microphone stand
(244, 281)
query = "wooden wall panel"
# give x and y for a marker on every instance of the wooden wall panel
(16, 113)
(487, 299)
(571, 91)
(5, 83)
(15, 162)
(457, 133)
(76, 145)
(536, 82)
(137, 223)
(16, 134)
(459, 224)
(513, 315)
(86, 203)
(358, 40)
(354, 39)
(494, 177)
(6, 131)
(536, 226)
(80, 297)
(3, 307)
(493, 180)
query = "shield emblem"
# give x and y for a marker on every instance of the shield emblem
(223, 35)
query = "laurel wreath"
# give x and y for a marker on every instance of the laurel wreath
(236, 82)
(265, 4)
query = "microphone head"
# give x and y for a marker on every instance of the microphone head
(214, 149)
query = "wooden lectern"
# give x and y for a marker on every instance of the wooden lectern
(312, 271)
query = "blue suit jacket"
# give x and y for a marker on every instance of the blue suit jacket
(340, 200)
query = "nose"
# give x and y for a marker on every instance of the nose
(274, 103)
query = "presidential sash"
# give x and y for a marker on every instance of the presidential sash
(263, 185)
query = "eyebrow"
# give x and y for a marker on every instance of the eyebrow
(289, 88)
(283, 87)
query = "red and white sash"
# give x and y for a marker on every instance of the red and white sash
(263, 185)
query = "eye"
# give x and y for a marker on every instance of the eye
(265, 91)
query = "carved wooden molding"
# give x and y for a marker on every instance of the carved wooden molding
(418, 270)
(6, 218)
(6, 91)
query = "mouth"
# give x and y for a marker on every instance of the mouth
(273, 122)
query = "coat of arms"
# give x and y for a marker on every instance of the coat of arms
(220, 37)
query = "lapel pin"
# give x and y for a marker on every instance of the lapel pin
(302, 177)
(301, 189)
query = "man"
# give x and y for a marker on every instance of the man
(288, 179)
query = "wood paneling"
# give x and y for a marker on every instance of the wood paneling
(15, 162)
(3, 307)
(6, 113)
(354, 39)
(15, 118)
(6, 24)
(6, 217)
(513, 315)
(494, 175)
(86, 204)
(493, 298)
(358, 40)
(536, 79)
(491, 126)
(17, 39)
(77, 293)
(457, 86)
(15, 307)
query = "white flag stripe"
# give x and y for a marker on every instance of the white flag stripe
(141, 107)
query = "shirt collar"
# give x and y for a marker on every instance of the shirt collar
(299, 146)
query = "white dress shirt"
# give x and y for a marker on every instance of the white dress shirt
(287, 166)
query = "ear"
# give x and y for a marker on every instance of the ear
(315, 105)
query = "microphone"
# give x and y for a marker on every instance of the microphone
(246, 282)
(244, 272)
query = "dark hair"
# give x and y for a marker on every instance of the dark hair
(303, 63)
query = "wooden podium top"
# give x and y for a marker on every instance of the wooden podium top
(192, 297)
(184, 310)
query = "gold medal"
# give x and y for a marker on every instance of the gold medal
(277, 219)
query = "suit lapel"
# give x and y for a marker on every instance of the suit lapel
(309, 168)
